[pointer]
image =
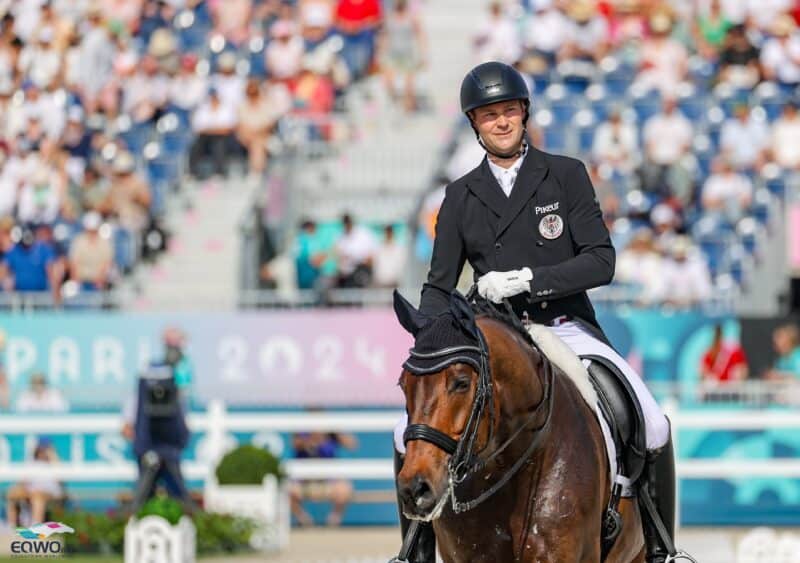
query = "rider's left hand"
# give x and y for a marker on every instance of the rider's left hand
(496, 286)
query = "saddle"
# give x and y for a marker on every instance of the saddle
(622, 411)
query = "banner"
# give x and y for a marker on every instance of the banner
(309, 357)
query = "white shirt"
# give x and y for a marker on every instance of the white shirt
(206, 117)
(50, 400)
(497, 40)
(780, 58)
(547, 31)
(615, 145)
(667, 137)
(686, 282)
(744, 141)
(786, 142)
(507, 176)
(589, 36)
(230, 88)
(729, 188)
(284, 59)
(389, 265)
(355, 248)
(187, 91)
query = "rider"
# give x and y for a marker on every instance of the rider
(531, 227)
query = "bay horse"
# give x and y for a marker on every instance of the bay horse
(503, 454)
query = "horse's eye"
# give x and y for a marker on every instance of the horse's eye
(460, 385)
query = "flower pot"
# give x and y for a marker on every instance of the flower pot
(267, 504)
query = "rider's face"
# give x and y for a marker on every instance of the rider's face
(500, 125)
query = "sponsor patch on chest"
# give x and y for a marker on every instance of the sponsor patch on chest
(546, 209)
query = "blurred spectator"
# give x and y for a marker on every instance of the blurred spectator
(685, 280)
(785, 146)
(76, 142)
(36, 492)
(91, 256)
(88, 194)
(257, 117)
(497, 38)
(711, 28)
(357, 21)
(402, 52)
(39, 60)
(227, 83)
(616, 145)
(739, 60)
(355, 251)
(213, 123)
(129, 195)
(545, 34)
(723, 361)
(786, 341)
(389, 264)
(337, 491)
(780, 55)
(33, 265)
(668, 138)
(316, 17)
(308, 256)
(175, 356)
(664, 60)
(314, 96)
(40, 398)
(665, 223)
(97, 57)
(587, 35)
(187, 88)
(641, 266)
(726, 191)
(284, 54)
(42, 109)
(744, 140)
(145, 94)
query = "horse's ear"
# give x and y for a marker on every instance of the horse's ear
(410, 319)
(463, 313)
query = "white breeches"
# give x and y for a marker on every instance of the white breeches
(584, 343)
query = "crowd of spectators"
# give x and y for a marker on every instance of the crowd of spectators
(685, 113)
(107, 105)
(354, 258)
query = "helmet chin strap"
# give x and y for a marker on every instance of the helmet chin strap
(523, 145)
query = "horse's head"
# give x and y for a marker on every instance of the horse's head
(442, 382)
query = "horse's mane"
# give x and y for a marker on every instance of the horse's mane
(485, 308)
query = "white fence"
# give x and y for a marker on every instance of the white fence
(217, 423)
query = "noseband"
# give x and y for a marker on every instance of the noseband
(464, 461)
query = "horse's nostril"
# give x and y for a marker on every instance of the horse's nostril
(421, 491)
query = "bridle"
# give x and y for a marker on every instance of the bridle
(464, 461)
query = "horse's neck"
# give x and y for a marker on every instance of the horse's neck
(503, 521)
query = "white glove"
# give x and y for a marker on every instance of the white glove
(496, 286)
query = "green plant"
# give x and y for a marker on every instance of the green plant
(166, 507)
(247, 465)
(104, 533)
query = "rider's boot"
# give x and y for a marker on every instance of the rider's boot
(425, 550)
(660, 484)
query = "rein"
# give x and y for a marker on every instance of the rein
(463, 460)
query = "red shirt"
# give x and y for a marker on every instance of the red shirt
(353, 12)
(728, 357)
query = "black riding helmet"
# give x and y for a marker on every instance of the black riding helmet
(493, 82)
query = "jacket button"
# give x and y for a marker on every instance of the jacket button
(544, 304)
(497, 246)
(539, 243)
